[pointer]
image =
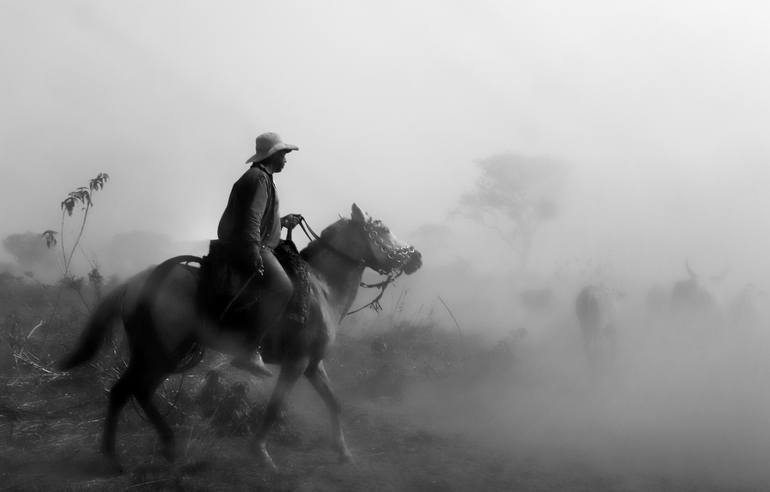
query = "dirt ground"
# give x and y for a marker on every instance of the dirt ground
(397, 446)
(423, 411)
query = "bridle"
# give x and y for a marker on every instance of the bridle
(311, 234)
(399, 257)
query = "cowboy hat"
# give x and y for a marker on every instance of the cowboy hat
(268, 144)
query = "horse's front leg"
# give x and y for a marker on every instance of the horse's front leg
(320, 381)
(290, 373)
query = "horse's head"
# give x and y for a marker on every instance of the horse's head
(378, 248)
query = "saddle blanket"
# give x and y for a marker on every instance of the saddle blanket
(221, 281)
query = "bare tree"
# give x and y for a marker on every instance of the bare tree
(80, 197)
(514, 195)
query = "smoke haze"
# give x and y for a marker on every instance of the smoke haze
(656, 111)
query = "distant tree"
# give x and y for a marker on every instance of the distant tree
(30, 252)
(514, 195)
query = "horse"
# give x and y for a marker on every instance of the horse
(164, 322)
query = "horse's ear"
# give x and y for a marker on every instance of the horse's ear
(357, 215)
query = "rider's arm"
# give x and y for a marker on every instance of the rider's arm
(255, 212)
(256, 209)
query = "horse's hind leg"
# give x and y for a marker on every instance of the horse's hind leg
(119, 395)
(320, 381)
(143, 390)
(140, 384)
(290, 373)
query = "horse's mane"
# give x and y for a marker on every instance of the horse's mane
(314, 246)
(309, 251)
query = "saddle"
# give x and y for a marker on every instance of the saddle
(297, 269)
(222, 282)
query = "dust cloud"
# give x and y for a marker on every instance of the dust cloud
(655, 113)
(678, 395)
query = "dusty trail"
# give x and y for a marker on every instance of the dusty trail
(398, 446)
(480, 423)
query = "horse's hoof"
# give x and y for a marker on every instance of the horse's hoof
(112, 466)
(268, 463)
(169, 453)
(264, 457)
(346, 457)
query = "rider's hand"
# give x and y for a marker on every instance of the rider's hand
(291, 221)
(256, 260)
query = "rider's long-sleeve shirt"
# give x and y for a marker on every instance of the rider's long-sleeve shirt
(251, 215)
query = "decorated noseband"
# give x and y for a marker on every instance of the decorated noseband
(398, 257)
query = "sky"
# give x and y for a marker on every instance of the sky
(658, 108)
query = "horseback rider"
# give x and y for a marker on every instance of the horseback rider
(250, 229)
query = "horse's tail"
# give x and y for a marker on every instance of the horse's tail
(107, 313)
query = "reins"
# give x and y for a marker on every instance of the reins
(375, 303)
(311, 234)
(391, 277)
